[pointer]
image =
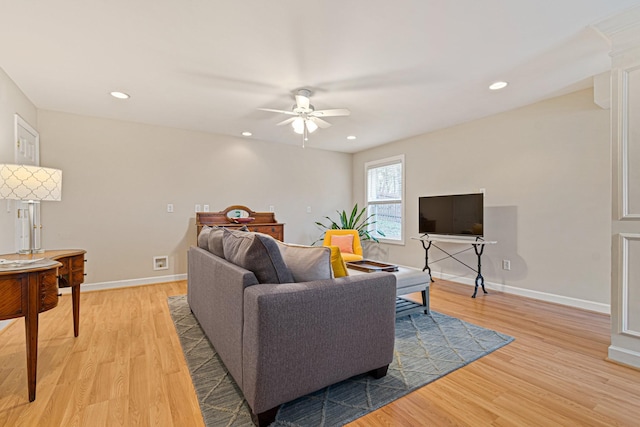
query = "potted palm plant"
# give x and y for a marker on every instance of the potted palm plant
(357, 220)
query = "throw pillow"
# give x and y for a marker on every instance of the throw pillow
(338, 265)
(203, 238)
(258, 253)
(306, 263)
(215, 242)
(345, 243)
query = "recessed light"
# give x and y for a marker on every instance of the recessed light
(352, 137)
(246, 134)
(119, 95)
(498, 85)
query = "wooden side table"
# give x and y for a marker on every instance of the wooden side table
(30, 288)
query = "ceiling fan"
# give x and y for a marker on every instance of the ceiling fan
(306, 119)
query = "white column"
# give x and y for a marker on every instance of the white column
(623, 31)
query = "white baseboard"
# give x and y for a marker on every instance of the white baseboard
(542, 296)
(88, 287)
(624, 356)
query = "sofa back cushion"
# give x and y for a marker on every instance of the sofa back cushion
(258, 253)
(306, 263)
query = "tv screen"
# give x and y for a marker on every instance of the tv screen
(458, 214)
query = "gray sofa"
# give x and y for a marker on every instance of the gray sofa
(281, 341)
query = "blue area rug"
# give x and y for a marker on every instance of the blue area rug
(427, 348)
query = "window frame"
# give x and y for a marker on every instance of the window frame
(387, 161)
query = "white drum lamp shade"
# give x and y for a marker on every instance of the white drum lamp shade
(27, 182)
(31, 184)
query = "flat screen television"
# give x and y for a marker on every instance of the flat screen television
(457, 214)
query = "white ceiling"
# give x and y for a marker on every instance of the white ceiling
(403, 67)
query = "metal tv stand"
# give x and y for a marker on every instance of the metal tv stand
(478, 246)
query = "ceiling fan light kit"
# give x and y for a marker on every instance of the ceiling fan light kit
(307, 120)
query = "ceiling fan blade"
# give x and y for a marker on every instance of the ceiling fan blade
(291, 113)
(331, 113)
(286, 122)
(302, 101)
(321, 123)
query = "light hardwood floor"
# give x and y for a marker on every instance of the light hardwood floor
(126, 368)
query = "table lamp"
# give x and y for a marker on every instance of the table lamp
(30, 184)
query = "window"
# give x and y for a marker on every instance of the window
(384, 196)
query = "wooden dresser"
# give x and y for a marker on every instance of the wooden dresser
(233, 217)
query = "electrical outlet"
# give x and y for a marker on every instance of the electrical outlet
(506, 264)
(170, 207)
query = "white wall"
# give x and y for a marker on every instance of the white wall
(546, 171)
(12, 101)
(545, 168)
(118, 178)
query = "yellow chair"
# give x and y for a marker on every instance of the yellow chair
(347, 240)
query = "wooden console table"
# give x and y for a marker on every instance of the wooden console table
(29, 289)
(263, 222)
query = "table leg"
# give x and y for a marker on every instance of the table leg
(425, 301)
(31, 335)
(479, 278)
(75, 297)
(426, 259)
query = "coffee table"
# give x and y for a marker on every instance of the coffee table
(408, 280)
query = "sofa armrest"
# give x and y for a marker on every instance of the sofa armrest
(215, 294)
(301, 337)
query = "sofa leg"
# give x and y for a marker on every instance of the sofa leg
(265, 418)
(380, 372)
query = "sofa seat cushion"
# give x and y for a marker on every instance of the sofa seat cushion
(306, 263)
(258, 253)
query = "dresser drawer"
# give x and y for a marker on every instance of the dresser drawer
(72, 271)
(48, 291)
(77, 270)
(65, 266)
(13, 298)
(77, 263)
(275, 230)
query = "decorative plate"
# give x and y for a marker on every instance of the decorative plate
(17, 262)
